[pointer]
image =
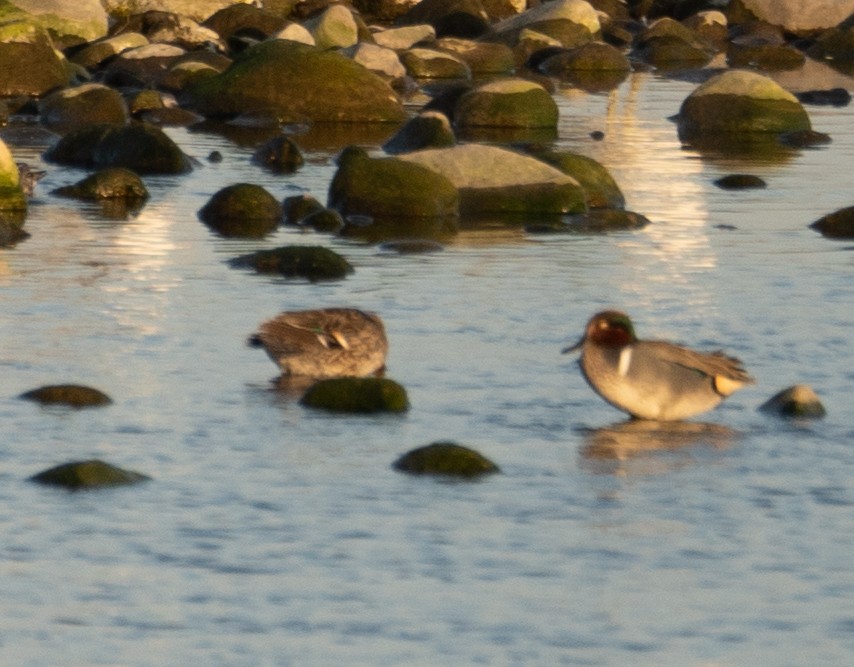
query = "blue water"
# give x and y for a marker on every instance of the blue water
(274, 535)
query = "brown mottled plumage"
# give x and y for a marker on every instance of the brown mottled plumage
(323, 343)
(653, 379)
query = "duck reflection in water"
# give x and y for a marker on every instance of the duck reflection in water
(647, 447)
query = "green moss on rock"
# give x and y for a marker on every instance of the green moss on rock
(311, 262)
(507, 103)
(357, 395)
(445, 459)
(69, 395)
(83, 475)
(600, 188)
(110, 183)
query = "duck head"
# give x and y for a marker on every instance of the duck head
(609, 328)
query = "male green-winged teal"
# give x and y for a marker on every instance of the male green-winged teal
(653, 379)
(324, 343)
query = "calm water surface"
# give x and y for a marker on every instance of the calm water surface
(273, 535)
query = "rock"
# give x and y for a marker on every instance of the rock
(668, 44)
(571, 22)
(235, 18)
(449, 18)
(280, 155)
(798, 401)
(836, 225)
(83, 475)
(423, 63)
(69, 395)
(70, 23)
(506, 103)
(768, 57)
(740, 182)
(357, 395)
(11, 232)
(109, 183)
(590, 57)
(295, 32)
(377, 59)
(299, 82)
(835, 47)
(143, 148)
(482, 58)
(493, 180)
(710, 26)
(803, 138)
(596, 221)
(600, 188)
(327, 220)
(311, 262)
(837, 97)
(144, 66)
(296, 208)
(30, 66)
(390, 188)
(411, 246)
(87, 104)
(13, 202)
(100, 51)
(737, 102)
(445, 459)
(175, 29)
(334, 28)
(405, 37)
(429, 129)
(799, 17)
(242, 209)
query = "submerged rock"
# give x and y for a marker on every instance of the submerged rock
(595, 221)
(143, 148)
(69, 395)
(445, 459)
(279, 154)
(311, 262)
(740, 182)
(83, 475)
(357, 395)
(242, 209)
(796, 401)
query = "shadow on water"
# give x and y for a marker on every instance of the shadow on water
(641, 447)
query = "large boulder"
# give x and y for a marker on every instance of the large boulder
(29, 63)
(571, 22)
(390, 188)
(83, 105)
(506, 103)
(738, 102)
(797, 16)
(144, 148)
(493, 180)
(68, 22)
(299, 82)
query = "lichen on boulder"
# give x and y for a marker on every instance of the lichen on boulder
(85, 475)
(357, 395)
(310, 262)
(445, 459)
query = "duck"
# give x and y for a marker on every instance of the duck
(324, 343)
(652, 379)
(28, 177)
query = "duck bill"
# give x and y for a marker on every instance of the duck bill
(573, 348)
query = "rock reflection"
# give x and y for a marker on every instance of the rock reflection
(641, 447)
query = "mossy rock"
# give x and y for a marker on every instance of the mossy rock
(390, 188)
(595, 221)
(482, 58)
(591, 57)
(83, 475)
(280, 155)
(836, 225)
(11, 232)
(69, 395)
(769, 57)
(445, 459)
(798, 401)
(600, 188)
(143, 148)
(424, 63)
(326, 220)
(83, 105)
(738, 102)
(10, 177)
(357, 395)
(12, 199)
(30, 65)
(298, 207)
(429, 129)
(110, 183)
(242, 209)
(311, 262)
(506, 103)
(300, 83)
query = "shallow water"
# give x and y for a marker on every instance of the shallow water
(273, 535)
